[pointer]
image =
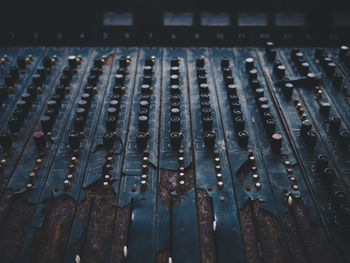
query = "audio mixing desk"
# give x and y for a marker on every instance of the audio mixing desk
(183, 155)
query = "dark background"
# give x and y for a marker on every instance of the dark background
(20, 20)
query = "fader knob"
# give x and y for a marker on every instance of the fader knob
(46, 123)
(175, 124)
(14, 124)
(242, 138)
(74, 140)
(249, 64)
(305, 127)
(79, 123)
(108, 141)
(72, 61)
(143, 123)
(39, 140)
(209, 139)
(14, 72)
(47, 62)
(200, 61)
(21, 62)
(5, 141)
(288, 90)
(141, 140)
(111, 123)
(175, 140)
(276, 142)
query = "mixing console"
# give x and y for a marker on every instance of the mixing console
(175, 154)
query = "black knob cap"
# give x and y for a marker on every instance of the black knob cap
(206, 112)
(108, 141)
(174, 70)
(270, 125)
(143, 111)
(9, 80)
(95, 71)
(242, 138)
(225, 62)
(79, 123)
(253, 74)
(147, 80)
(239, 123)
(97, 62)
(147, 70)
(39, 140)
(144, 104)
(175, 140)
(67, 72)
(175, 98)
(174, 80)
(47, 62)
(201, 72)
(288, 90)
(72, 62)
(111, 111)
(343, 50)
(330, 68)
(64, 80)
(81, 112)
(175, 89)
(306, 126)
(74, 140)
(207, 123)
(324, 108)
(42, 72)
(175, 124)
(249, 64)
(229, 80)
(200, 61)
(150, 61)
(304, 68)
(264, 108)
(24, 106)
(19, 114)
(232, 89)
(119, 79)
(209, 139)
(14, 72)
(5, 141)
(175, 112)
(262, 100)
(202, 80)
(143, 123)
(21, 62)
(280, 71)
(236, 113)
(14, 124)
(227, 72)
(141, 140)
(276, 142)
(174, 62)
(111, 123)
(46, 123)
(123, 62)
(92, 80)
(203, 88)
(51, 104)
(321, 163)
(32, 90)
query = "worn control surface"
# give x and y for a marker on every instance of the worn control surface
(179, 155)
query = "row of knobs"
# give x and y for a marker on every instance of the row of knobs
(235, 105)
(339, 203)
(114, 103)
(84, 103)
(53, 106)
(175, 110)
(263, 105)
(205, 106)
(145, 101)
